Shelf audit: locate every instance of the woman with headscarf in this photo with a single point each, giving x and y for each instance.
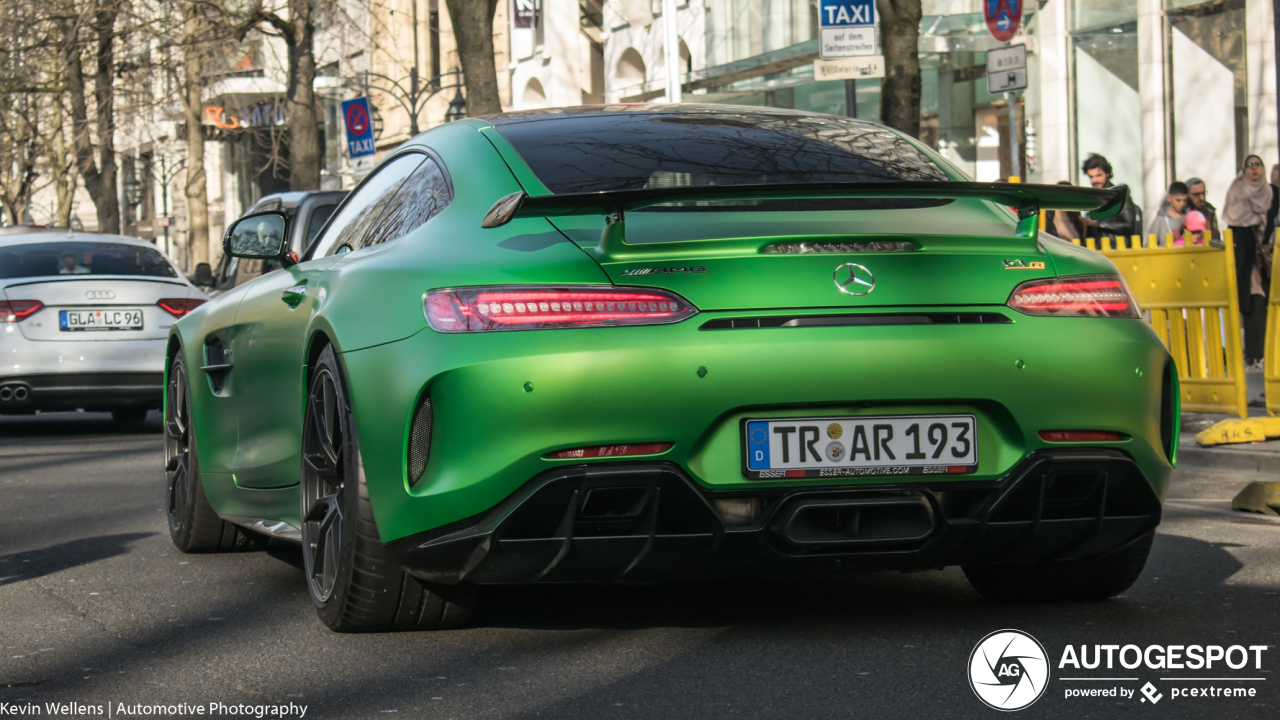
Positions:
(1245, 212)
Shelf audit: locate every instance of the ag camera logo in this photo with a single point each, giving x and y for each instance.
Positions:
(1008, 670)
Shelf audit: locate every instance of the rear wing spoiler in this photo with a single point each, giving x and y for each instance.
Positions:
(1026, 199)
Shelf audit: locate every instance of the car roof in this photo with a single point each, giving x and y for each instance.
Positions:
(294, 198)
(681, 109)
(64, 235)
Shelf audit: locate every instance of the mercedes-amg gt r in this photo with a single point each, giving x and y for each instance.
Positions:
(635, 343)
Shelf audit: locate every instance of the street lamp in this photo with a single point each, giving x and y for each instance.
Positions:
(414, 98)
(132, 191)
(457, 108)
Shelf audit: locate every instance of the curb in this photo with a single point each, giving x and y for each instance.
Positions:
(1208, 458)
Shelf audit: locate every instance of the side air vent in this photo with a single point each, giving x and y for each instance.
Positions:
(217, 362)
(420, 439)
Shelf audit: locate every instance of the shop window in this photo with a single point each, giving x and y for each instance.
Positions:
(738, 29)
(1104, 53)
(1206, 44)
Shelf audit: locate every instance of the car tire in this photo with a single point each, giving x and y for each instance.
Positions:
(1092, 578)
(130, 415)
(354, 583)
(194, 527)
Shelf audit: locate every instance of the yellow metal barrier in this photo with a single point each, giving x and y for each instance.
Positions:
(1190, 295)
(1271, 364)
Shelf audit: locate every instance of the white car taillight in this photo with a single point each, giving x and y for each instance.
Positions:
(533, 307)
(18, 310)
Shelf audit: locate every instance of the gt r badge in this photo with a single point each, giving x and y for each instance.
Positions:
(1023, 265)
(853, 279)
(664, 271)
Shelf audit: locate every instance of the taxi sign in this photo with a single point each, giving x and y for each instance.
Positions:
(359, 126)
(846, 28)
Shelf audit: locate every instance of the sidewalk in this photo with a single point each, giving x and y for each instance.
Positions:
(1263, 457)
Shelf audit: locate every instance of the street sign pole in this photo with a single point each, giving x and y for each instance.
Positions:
(1015, 171)
(851, 98)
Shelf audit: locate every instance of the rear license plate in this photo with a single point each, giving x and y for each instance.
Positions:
(860, 446)
(112, 319)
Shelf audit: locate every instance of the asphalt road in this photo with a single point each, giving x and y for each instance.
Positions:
(97, 607)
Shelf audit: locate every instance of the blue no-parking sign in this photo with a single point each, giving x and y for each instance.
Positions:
(846, 28)
(355, 115)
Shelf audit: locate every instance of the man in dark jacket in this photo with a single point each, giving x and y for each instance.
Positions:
(1123, 225)
(1199, 197)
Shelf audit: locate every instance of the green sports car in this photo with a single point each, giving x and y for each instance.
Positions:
(637, 343)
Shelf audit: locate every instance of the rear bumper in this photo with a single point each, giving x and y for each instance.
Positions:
(643, 522)
(91, 375)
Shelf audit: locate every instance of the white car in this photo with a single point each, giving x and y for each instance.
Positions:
(84, 319)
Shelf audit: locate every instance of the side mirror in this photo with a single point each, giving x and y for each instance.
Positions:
(203, 276)
(260, 236)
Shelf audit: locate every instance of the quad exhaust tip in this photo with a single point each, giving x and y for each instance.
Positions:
(14, 393)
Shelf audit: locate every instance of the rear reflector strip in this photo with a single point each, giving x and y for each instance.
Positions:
(1080, 436)
(18, 310)
(598, 451)
(794, 321)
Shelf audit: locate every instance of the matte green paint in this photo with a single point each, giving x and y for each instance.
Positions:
(670, 383)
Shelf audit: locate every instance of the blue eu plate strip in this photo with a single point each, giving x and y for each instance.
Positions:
(758, 445)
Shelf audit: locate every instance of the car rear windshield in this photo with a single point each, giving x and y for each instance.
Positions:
(82, 258)
(636, 150)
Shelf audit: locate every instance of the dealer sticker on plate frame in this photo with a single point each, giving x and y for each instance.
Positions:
(859, 446)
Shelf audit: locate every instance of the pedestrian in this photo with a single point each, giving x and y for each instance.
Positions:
(1199, 197)
(1168, 222)
(1245, 212)
(1193, 230)
(1063, 224)
(1123, 225)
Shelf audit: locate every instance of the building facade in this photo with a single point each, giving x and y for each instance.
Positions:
(1165, 89)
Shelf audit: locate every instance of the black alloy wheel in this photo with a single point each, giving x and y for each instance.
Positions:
(177, 448)
(194, 526)
(354, 583)
(323, 485)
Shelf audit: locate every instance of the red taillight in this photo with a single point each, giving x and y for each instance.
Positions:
(531, 307)
(1077, 296)
(610, 451)
(1080, 436)
(178, 307)
(18, 310)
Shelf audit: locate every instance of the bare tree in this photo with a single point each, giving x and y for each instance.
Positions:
(19, 142)
(61, 164)
(473, 31)
(196, 27)
(298, 33)
(900, 37)
(98, 19)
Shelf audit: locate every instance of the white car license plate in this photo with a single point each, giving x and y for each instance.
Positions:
(110, 319)
(860, 446)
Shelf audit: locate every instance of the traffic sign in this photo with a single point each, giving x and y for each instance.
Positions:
(1003, 17)
(355, 115)
(846, 28)
(856, 68)
(1006, 69)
